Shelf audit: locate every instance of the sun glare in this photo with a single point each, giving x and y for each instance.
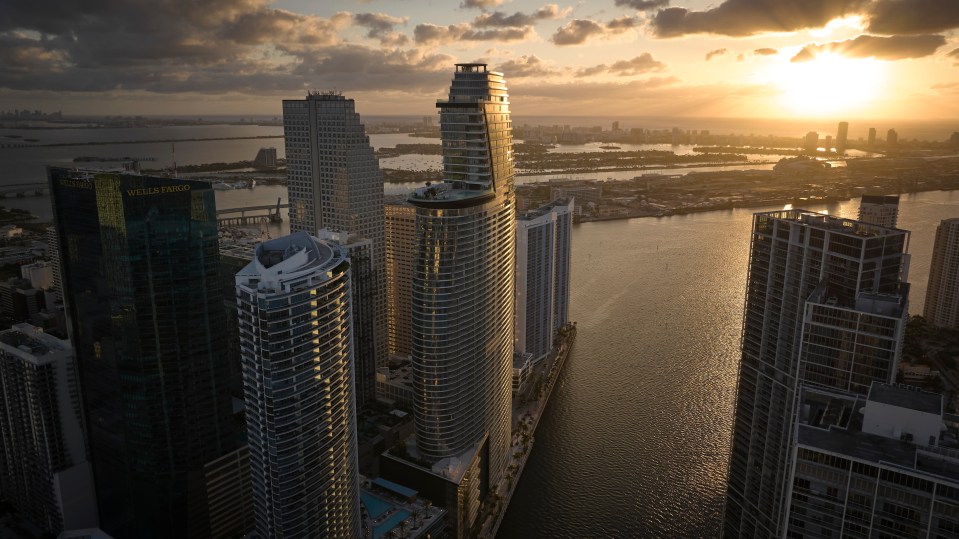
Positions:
(829, 84)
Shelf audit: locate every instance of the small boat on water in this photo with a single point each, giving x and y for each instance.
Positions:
(221, 186)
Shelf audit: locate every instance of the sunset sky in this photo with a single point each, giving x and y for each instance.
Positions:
(737, 58)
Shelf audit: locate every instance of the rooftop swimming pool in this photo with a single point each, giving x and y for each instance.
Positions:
(374, 505)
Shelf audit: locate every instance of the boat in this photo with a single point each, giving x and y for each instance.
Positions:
(220, 186)
(609, 147)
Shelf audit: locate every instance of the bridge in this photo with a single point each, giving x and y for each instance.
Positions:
(21, 190)
(250, 214)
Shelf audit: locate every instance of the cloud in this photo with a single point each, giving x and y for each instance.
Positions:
(499, 19)
(578, 31)
(380, 26)
(765, 51)
(431, 34)
(739, 18)
(600, 90)
(717, 52)
(644, 63)
(883, 48)
(643, 5)
(954, 54)
(913, 16)
(481, 4)
(526, 66)
(213, 47)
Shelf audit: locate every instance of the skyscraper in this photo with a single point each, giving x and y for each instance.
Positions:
(810, 275)
(335, 182)
(882, 210)
(871, 140)
(293, 304)
(400, 247)
(811, 142)
(542, 276)
(842, 136)
(942, 294)
(139, 263)
(462, 331)
(44, 472)
(892, 138)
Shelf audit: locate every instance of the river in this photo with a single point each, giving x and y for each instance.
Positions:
(635, 440)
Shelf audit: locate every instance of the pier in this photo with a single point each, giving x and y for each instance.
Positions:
(250, 215)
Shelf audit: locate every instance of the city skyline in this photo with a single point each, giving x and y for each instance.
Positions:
(782, 58)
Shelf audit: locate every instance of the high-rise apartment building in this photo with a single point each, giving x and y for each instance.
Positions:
(871, 139)
(875, 465)
(842, 136)
(53, 255)
(942, 293)
(882, 210)
(44, 472)
(542, 276)
(139, 263)
(810, 276)
(811, 142)
(293, 305)
(462, 331)
(400, 250)
(335, 182)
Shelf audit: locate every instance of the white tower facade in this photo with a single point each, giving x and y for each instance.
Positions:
(542, 276)
(294, 309)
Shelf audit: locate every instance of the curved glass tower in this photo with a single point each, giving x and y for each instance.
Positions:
(293, 303)
(462, 318)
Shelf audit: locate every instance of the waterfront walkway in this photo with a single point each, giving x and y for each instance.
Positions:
(526, 416)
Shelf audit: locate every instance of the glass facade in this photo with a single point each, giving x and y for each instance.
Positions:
(296, 339)
(462, 312)
(139, 260)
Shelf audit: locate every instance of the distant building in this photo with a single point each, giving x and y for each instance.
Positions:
(44, 472)
(53, 255)
(842, 136)
(942, 293)
(873, 466)
(265, 158)
(543, 242)
(582, 195)
(294, 303)
(817, 290)
(811, 142)
(892, 138)
(400, 255)
(882, 210)
(872, 137)
(40, 274)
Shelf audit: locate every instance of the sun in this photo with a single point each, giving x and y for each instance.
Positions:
(829, 84)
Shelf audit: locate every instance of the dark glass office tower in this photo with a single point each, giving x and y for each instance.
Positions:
(139, 260)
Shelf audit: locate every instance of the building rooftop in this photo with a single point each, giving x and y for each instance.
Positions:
(452, 194)
(544, 209)
(833, 223)
(881, 199)
(913, 399)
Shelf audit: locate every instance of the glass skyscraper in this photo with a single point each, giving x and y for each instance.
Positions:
(296, 339)
(139, 260)
(462, 319)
